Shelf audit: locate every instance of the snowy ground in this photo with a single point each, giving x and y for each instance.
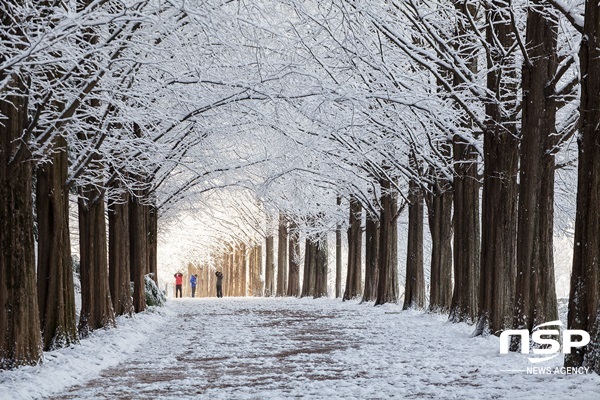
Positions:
(251, 348)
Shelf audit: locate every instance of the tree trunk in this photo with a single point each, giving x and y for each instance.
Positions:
(96, 304)
(321, 266)
(153, 241)
(466, 233)
(584, 299)
(501, 158)
(466, 191)
(282, 257)
(535, 299)
(414, 291)
(254, 261)
(338, 257)
(20, 341)
(293, 288)
(387, 285)
(258, 283)
(119, 252)
(243, 271)
(310, 259)
(353, 275)
(270, 267)
(371, 258)
(138, 241)
(440, 225)
(56, 294)
(229, 279)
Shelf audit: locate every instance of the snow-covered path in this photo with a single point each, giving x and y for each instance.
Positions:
(251, 348)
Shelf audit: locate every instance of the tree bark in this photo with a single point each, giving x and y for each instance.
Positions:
(466, 191)
(153, 241)
(387, 285)
(270, 266)
(501, 158)
(282, 257)
(354, 275)
(321, 266)
(258, 288)
(254, 263)
(119, 252)
(96, 304)
(338, 257)
(466, 233)
(20, 341)
(414, 291)
(310, 259)
(439, 203)
(584, 299)
(535, 298)
(371, 258)
(293, 287)
(56, 294)
(243, 271)
(138, 241)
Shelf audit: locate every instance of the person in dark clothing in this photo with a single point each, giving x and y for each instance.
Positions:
(193, 282)
(178, 284)
(219, 275)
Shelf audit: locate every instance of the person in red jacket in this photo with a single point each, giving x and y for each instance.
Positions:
(178, 282)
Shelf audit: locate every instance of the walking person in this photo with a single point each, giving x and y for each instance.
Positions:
(193, 282)
(219, 275)
(178, 284)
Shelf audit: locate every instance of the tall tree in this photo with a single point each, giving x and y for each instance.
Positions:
(242, 282)
(466, 186)
(310, 265)
(254, 267)
(321, 266)
(354, 273)
(387, 285)
(371, 257)
(414, 290)
(96, 305)
(119, 257)
(584, 299)
(501, 158)
(293, 286)
(270, 262)
(152, 215)
(338, 257)
(282, 257)
(20, 341)
(439, 214)
(56, 294)
(535, 300)
(138, 242)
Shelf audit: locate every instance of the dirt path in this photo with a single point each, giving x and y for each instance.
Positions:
(217, 350)
(287, 348)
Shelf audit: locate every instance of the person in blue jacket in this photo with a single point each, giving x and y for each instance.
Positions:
(193, 282)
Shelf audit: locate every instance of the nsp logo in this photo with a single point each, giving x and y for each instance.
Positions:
(550, 346)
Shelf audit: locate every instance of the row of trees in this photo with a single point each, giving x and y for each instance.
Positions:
(55, 119)
(510, 92)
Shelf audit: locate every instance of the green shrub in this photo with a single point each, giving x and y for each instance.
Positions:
(154, 296)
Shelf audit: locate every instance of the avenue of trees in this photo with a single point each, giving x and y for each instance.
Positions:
(318, 123)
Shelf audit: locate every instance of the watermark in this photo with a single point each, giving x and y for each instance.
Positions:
(549, 347)
(558, 370)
